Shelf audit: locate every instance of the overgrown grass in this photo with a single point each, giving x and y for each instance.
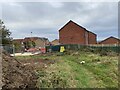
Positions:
(99, 71)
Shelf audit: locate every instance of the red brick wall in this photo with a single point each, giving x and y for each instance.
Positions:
(92, 38)
(110, 41)
(72, 34)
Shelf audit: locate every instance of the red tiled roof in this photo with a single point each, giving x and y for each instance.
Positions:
(109, 38)
(30, 38)
(17, 40)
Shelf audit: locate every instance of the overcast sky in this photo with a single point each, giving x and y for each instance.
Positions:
(44, 19)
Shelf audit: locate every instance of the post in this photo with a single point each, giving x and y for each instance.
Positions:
(1, 67)
(13, 50)
(44, 47)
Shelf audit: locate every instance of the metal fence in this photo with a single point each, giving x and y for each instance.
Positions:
(115, 48)
(7, 48)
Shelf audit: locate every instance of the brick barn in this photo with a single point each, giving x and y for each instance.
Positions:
(110, 40)
(72, 33)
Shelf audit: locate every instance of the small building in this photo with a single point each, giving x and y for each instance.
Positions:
(18, 41)
(72, 33)
(39, 42)
(55, 42)
(30, 42)
(110, 40)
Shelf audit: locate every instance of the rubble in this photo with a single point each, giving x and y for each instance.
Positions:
(16, 75)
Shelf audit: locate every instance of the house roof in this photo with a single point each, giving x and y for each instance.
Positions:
(55, 40)
(44, 38)
(30, 38)
(18, 40)
(77, 25)
(109, 38)
(35, 38)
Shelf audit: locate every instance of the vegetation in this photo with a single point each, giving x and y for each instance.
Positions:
(17, 46)
(29, 44)
(98, 71)
(4, 34)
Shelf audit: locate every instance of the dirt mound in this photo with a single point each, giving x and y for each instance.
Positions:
(16, 75)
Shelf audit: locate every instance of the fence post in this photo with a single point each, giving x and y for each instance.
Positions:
(13, 50)
(68, 47)
(78, 46)
(1, 48)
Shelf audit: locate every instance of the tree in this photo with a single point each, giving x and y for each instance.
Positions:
(4, 34)
(17, 46)
(29, 44)
(33, 44)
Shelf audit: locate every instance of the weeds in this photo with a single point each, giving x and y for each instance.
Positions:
(51, 80)
(99, 70)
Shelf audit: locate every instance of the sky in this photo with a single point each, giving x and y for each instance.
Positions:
(44, 19)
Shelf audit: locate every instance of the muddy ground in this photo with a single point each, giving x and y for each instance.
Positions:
(37, 63)
(21, 73)
(16, 75)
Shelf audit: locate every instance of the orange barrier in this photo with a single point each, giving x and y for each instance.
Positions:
(43, 50)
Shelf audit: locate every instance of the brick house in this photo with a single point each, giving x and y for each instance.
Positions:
(18, 41)
(55, 42)
(72, 33)
(110, 40)
(39, 42)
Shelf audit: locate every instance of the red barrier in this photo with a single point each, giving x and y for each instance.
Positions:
(43, 50)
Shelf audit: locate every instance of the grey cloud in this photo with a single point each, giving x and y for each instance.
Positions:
(46, 19)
